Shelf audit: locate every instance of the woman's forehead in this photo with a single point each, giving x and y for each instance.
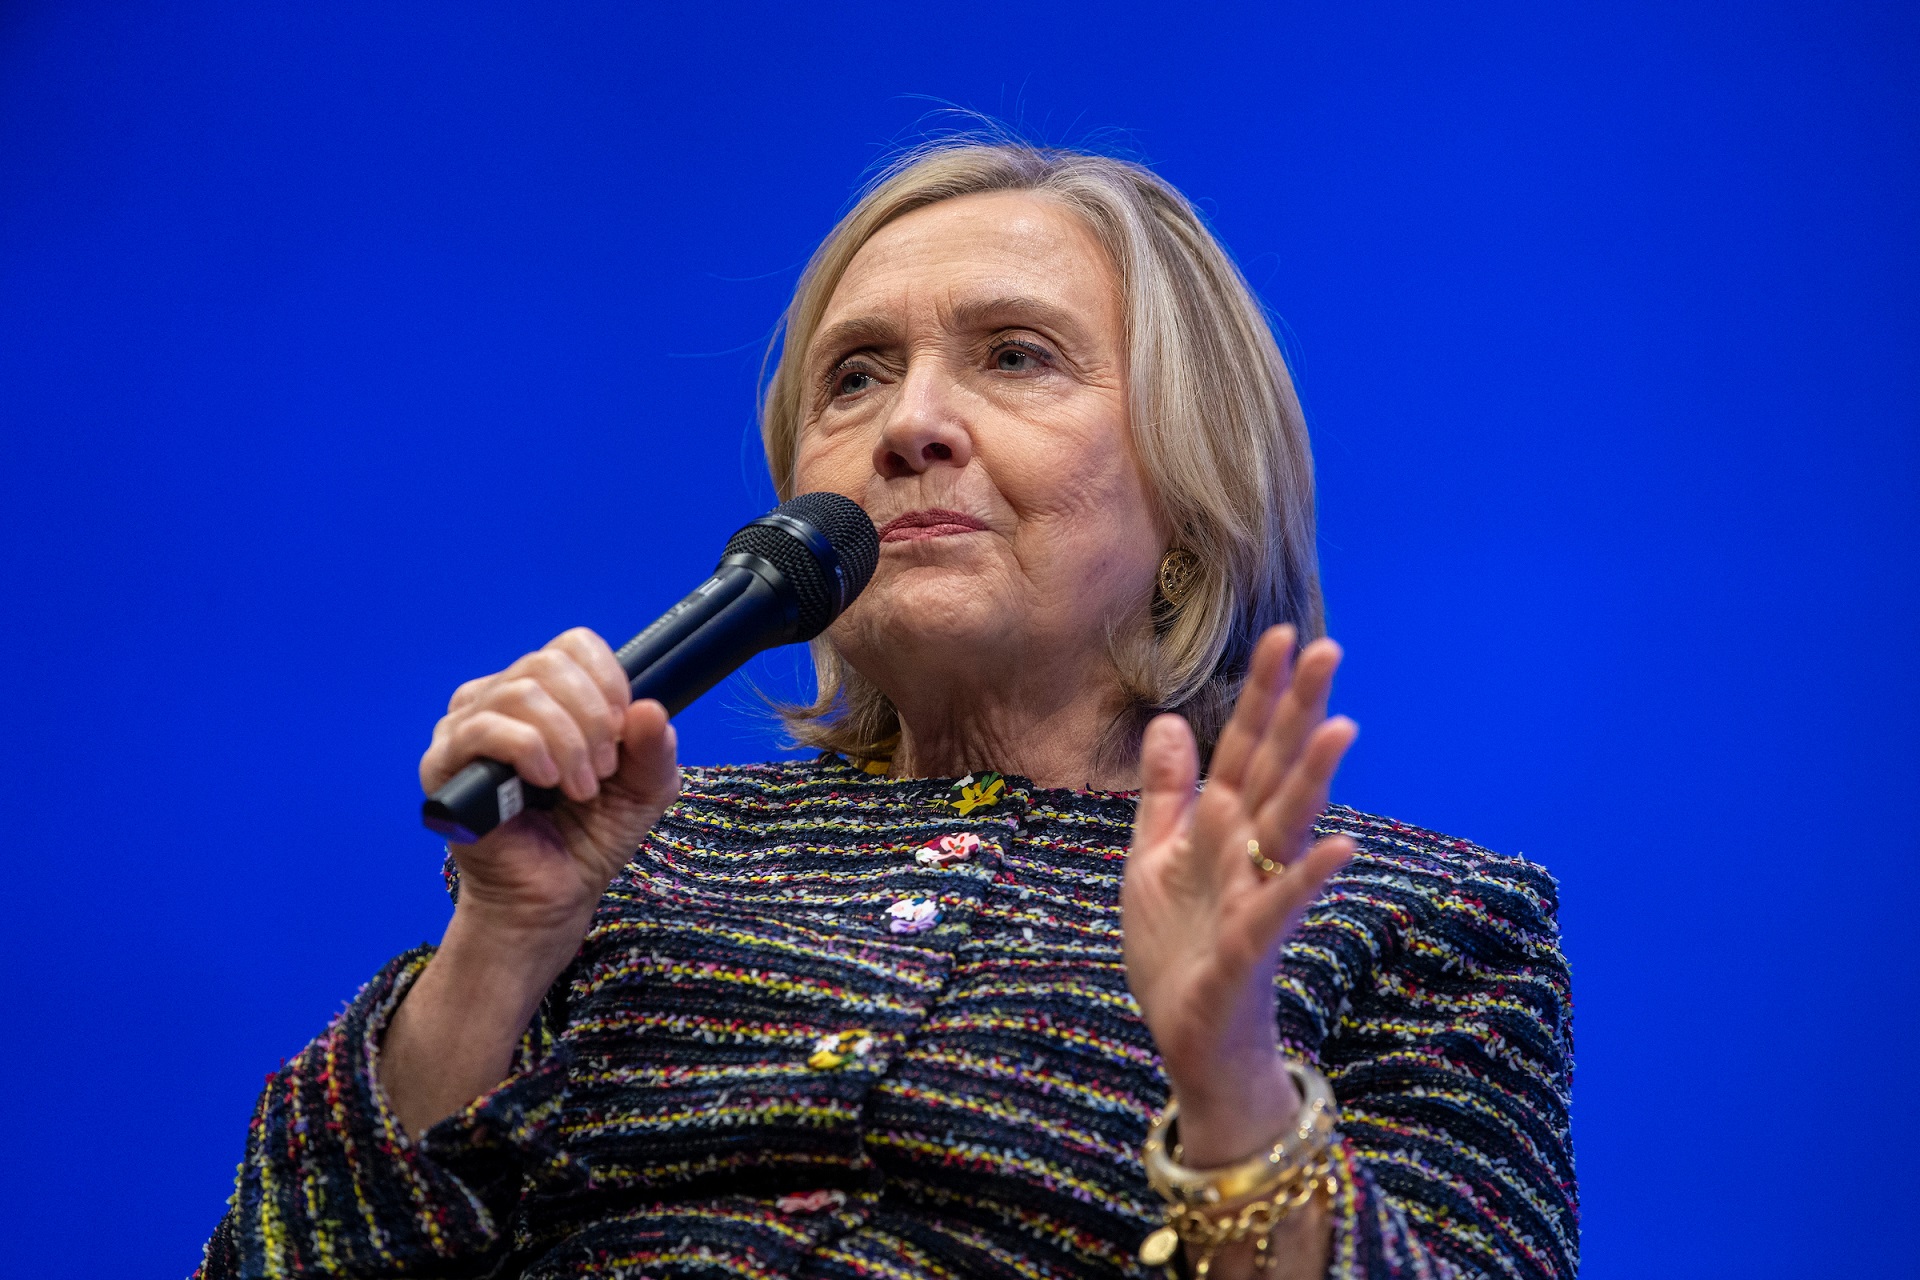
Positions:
(976, 254)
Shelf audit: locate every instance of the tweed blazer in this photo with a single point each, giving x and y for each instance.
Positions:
(827, 1024)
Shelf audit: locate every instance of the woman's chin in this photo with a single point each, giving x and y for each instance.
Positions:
(931, 606)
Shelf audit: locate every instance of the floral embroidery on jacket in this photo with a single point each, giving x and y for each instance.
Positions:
(947, 850)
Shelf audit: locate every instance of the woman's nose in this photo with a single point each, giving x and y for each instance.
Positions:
(923, 430)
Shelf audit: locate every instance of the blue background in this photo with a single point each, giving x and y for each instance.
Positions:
(348, 350)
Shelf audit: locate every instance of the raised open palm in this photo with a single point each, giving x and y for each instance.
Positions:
(1204, 923)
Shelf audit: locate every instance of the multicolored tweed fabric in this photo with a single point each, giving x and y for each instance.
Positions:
(748, 1071)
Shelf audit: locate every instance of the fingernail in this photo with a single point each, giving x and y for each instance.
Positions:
(606, 759)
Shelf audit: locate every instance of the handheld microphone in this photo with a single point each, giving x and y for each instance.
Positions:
(781, 579)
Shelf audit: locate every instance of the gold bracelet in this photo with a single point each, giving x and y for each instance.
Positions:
(1256, 1221)
(1208, 1208)
(1311, 1133)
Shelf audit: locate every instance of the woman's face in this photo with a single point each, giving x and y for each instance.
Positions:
(968, 387)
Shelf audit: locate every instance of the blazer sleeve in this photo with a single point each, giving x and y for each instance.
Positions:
(333, 1185)
(1453, 1066)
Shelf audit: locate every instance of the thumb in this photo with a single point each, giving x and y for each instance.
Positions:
(1169, 771)
(633, 799)
(649, 773)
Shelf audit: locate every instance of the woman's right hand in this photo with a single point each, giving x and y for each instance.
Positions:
(561, 717)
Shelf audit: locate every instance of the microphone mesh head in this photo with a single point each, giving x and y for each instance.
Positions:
(849, 534)
(847, 527)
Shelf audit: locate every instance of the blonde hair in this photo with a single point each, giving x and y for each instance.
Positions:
(1216, 425)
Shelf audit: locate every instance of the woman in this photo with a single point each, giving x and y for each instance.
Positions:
(911, 1008)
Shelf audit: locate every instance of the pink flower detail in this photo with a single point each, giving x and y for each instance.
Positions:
(811, 1201)
(948, 850)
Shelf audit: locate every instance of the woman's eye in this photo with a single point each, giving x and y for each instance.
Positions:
(849, 382)
(1015, 358)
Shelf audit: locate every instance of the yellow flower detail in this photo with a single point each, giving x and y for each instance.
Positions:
(836, 1047)
(979, 794)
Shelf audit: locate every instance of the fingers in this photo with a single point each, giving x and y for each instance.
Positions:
(1280, 911)
(557, 715)
(598, 712)
(596, 659)
(1268, 675)
(1296, 713)
(1285, 824)
(1169, 771)
(1285, 820)
(523, 725)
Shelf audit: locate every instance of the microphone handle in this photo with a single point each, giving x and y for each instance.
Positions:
(746, 606)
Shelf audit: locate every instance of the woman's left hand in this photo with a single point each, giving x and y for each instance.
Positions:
(1203, 924)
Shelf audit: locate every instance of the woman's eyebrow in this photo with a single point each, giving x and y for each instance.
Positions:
(1015, 309)
(854, 331)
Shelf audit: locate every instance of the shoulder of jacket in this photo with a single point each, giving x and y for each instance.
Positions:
(1437, 865)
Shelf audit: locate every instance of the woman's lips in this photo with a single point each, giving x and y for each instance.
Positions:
(932, 523)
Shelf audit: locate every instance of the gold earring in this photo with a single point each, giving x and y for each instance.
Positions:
(1179, 574)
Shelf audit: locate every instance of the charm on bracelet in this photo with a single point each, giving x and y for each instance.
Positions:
(1208, 1209)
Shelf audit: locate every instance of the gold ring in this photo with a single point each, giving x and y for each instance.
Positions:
(1264, 865)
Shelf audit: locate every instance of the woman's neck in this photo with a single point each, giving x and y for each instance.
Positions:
(1073, 738)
